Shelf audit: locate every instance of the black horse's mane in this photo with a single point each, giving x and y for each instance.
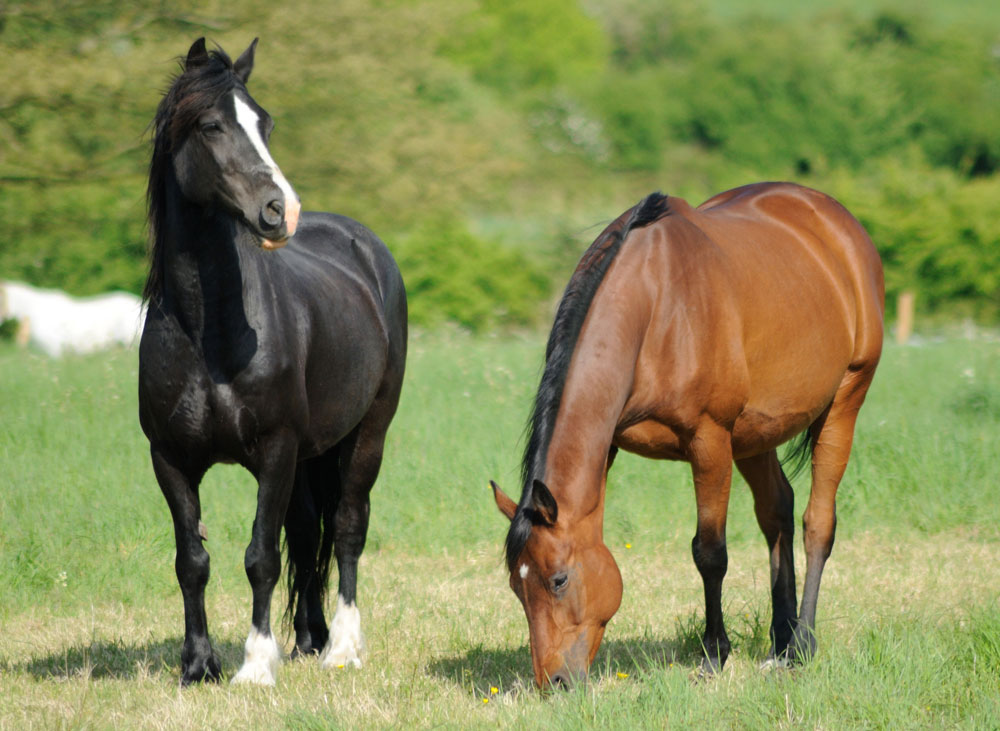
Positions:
(572, 311)
(197, 87)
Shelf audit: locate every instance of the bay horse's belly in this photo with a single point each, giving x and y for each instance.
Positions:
(652, 439)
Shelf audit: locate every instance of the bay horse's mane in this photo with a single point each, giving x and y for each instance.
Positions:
(570, 315)
(198, 86)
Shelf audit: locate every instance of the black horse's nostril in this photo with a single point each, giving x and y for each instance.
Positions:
(273, 214)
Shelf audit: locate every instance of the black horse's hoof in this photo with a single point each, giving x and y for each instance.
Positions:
(207, 669)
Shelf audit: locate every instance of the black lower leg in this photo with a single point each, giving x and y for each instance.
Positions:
(712, 561)
(351, 528)
(302, 535)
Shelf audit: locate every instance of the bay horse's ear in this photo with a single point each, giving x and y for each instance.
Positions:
(244, 64)
(507, 506)
(543, 503)
(197, 54)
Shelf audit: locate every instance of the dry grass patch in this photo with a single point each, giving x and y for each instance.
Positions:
(444, 630)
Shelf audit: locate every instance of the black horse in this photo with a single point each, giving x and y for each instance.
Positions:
(286, 359)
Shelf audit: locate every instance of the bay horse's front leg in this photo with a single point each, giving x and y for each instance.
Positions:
(275, 476)
(711, 457)
(179, 485)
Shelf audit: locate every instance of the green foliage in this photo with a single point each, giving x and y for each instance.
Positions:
(452, 275)
(938, 234)
(532, 120)
(518, 44)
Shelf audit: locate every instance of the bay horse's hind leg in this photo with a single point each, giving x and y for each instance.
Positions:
(314, 499)
(360, 461)
(180, 488)
(834, 435)
(774, 504)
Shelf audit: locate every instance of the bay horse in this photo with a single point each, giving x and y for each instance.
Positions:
(274, 341)
(710, 335)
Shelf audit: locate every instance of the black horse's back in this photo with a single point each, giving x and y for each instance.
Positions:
(352, 246)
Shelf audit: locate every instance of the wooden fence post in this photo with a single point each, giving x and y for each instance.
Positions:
(904, 317)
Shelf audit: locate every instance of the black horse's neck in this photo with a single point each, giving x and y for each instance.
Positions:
(209, 271)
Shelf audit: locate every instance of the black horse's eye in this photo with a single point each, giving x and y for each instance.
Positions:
(211, 128)
(559, 582)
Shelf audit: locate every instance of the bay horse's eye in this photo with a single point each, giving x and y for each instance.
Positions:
(559, 582)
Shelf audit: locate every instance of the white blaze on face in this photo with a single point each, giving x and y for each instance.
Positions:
(248, 120)
(524, 571)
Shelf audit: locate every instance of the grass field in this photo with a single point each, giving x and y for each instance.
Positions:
(909, 624)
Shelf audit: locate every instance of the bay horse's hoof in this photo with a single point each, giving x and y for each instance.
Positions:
(771, 663)
(708, 668)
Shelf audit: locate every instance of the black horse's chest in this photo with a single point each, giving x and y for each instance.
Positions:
(186, 402)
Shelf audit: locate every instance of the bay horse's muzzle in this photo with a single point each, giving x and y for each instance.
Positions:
(574, 668)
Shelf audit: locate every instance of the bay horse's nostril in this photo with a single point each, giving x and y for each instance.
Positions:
(561, 682)
(273, 214)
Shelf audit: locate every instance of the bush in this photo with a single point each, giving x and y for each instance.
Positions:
(938, 234)
(451, 275)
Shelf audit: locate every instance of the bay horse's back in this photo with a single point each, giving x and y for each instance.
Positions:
(818, 228)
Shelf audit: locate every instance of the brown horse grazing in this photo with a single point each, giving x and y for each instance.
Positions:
(712, 335)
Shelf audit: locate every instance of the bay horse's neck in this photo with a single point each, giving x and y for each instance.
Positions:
(208, 270)
(596, 390)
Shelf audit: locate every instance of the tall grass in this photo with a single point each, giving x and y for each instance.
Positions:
(91, 615)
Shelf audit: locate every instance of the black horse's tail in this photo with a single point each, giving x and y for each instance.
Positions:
(309, 534)
(799, 453)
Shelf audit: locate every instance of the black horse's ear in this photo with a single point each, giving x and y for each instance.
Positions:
(543, 503)
(198, 54)
(244, 64)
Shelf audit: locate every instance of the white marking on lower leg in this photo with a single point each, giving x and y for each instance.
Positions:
(261, 660)
(346, 641)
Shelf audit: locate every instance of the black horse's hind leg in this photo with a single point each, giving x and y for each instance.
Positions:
(360, 461)
(774, 506)
(180, 488)
(275, 474)
(712, 467)
(314, 498)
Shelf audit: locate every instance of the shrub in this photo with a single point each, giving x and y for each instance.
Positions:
(452, 275)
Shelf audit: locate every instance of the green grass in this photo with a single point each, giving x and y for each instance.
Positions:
(909, 628)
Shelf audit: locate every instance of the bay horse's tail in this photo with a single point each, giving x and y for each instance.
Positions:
(309, 539)
(799, 453)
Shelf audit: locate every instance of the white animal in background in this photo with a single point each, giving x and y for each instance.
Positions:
(57, 323)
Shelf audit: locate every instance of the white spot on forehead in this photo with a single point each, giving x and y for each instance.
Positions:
(524, 571)
(248, 119)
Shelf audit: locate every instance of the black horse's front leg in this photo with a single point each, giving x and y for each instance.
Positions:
(180, 488)
(275, 477)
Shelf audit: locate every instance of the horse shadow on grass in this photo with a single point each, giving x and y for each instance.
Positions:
(480, 668)
(119, 660)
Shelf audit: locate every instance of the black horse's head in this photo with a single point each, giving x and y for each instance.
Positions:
(215, 136)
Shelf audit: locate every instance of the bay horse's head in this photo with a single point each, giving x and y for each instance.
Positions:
(567, 581)
(215, 136)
